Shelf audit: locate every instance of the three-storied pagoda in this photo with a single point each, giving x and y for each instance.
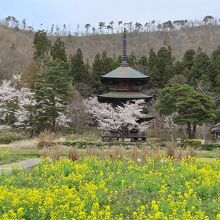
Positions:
(125, 84)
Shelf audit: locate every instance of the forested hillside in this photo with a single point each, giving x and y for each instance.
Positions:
(54, 71)
(16, 45)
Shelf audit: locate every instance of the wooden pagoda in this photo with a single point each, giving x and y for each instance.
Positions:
(125, 84)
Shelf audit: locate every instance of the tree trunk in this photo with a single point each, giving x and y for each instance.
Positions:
(189, 131)
(54, 117)
(205, 133)
(193, 132)
(171, 136)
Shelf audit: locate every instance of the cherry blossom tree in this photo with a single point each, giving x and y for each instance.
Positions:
(25, 113)
(18, 107)
(120, 119)
(8, 98)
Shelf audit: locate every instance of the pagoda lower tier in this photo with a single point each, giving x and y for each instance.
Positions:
(117, 97)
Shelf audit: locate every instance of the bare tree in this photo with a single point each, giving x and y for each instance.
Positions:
(87, 26)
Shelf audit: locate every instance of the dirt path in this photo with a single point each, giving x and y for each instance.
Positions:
(7, 168)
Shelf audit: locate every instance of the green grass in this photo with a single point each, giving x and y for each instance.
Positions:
(8, 156)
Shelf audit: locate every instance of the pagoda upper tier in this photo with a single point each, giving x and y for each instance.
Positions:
(125, 83)
(125, 72)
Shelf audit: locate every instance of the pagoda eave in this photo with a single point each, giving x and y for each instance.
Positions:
(146, 119)
(123, 97)
(107, 80)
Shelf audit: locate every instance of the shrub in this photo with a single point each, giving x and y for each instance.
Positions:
(170, 151)
(192, 143)
(210, 146)
(9, 138)
(73, 155)
(190, 152)
(83, 144)
(46, 139)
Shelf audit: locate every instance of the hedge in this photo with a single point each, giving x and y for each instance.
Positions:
(210, 146)
(9, 138)
(84, 144)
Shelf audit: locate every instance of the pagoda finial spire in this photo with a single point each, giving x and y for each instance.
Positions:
(124, 49)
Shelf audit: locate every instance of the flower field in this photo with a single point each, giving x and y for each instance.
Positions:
(109, 189)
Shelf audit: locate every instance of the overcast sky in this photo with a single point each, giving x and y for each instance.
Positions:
(72, 12)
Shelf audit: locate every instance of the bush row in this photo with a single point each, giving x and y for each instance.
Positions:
(197, 144)
(82, 144)
(9, 138)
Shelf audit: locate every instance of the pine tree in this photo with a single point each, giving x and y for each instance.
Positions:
(42, 46)
(201, 70)
(77, 68)
(97, 71)
(143, 61)
(189, 106)
(188, 57)
(187, 63)
(165, 64)
(153, 70)
(102, 64)
(132, 60)
(107, 63)
(51, 94)
(215, 75)
(58, 50)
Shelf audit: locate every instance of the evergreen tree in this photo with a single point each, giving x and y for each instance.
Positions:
(97, 71)
(161, 66)
(41, 45)
(58, 50)
(153, 70)
(29, 73)
(188, 57)
(142, 64)
(143, 61)
(77, 68)
(178, 68)
(215, 74)
(190, 107)
(165, 64)
(107, 63)
(187, 63)
(51, 94)
(102, 64)
(201, 69)
(132, 60)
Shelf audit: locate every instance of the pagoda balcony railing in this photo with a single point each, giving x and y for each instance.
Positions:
(125, 89)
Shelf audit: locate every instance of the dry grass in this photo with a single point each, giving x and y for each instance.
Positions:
(90, 151)
(46, 139)
(134, 153)
(53, 152)
(190, 152)
(118, 153)
(171, 151)
(143, 154)
(24, 144)
(179, 153)
(74, 155)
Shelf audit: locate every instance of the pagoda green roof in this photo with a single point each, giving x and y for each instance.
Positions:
(125, 72)
(125, 95)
